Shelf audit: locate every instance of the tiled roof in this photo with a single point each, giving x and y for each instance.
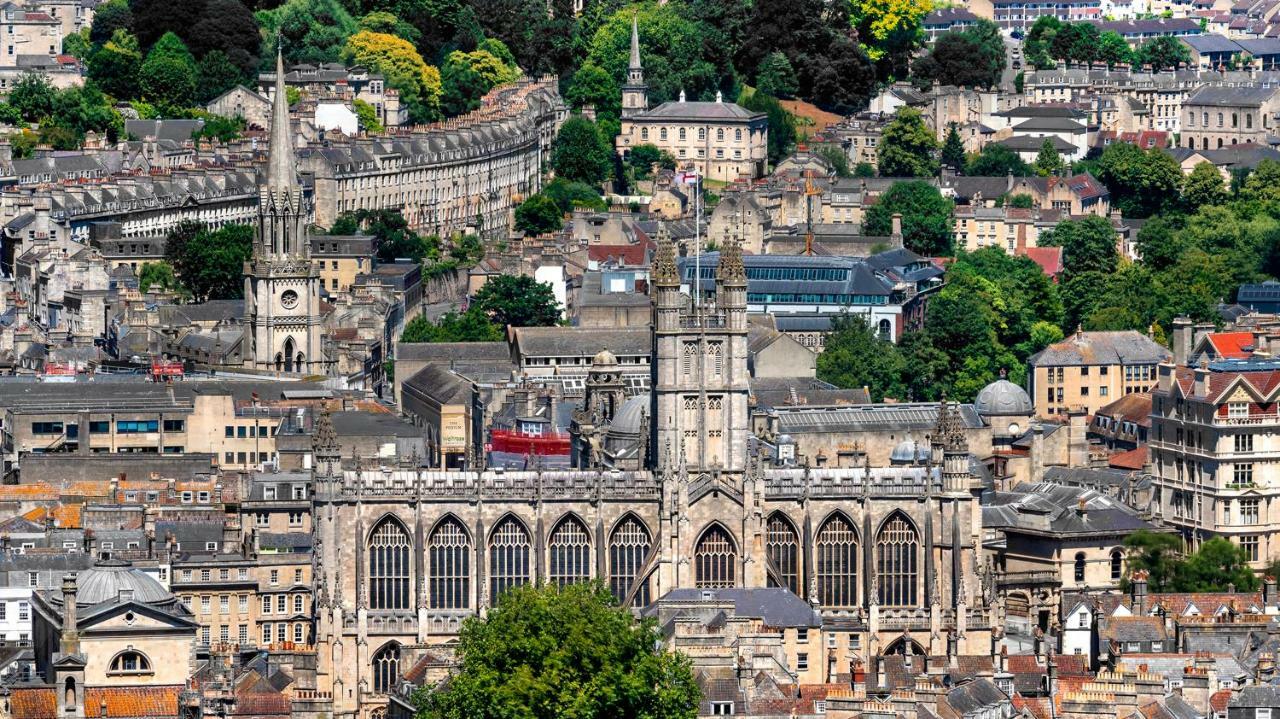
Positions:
(1218, 700)
(1133, 459)
(1133, 407)
(127, 702)
(28, 492)
(1101, 348)
(1049, 259)
(1231, 345)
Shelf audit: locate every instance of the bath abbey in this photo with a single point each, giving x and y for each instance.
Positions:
(889, 557)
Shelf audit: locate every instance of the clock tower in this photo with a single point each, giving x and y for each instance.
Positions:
(281, 284)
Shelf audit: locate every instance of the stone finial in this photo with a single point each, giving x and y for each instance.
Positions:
(664, 269)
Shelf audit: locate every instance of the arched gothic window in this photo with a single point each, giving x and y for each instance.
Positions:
(837, 563)
(449, 559)
(508, 557)
(386, 668)
(716, 350)
(897, 562)
(389, 566)
(628, 548)
(783, 547)
(719, 134)
(715, 560)
(570, 553)
(1079, 567)
(1117, 564)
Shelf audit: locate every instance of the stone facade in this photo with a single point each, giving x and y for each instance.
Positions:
(405, 555)
(466, 174)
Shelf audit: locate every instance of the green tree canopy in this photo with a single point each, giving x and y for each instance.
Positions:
(548, 652)
(569, 195)
(907, 146)
(775, 76)
(1142, 182)
(519, 301)
(108, 17)
(32, 96)
(538, 215)
(210, 264)
(580, 154)
(470, 326)
(953, 150)
(1163, 53)
(1156, 553)
(215, 74)
(1214, 567)
(1088, 244)
(158, 275)
(782, 130)
(168, 76)
(996, 160)
(853, 357)
(926, 217)
(1204, 186)
(312, 31)
(1048, 161)
(973, 57)
(114, 66)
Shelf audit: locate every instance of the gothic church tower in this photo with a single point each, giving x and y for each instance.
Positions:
(700, 382)
(281, 285)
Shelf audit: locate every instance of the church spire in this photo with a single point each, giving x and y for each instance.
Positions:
(635, 44)
(281, 169)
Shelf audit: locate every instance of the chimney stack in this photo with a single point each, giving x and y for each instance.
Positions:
(70, 640)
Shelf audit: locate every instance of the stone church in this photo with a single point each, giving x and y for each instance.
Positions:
(890, 556)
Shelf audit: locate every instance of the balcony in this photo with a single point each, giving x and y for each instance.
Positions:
(1010, 579)
(1254, 420)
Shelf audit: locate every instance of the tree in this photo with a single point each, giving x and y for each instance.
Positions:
(168, 76)
(855, 357)
(973, 57)
(1218, 564)
(210, 264)
(114, 66)
(1142, 182)
(592, 85)
(953, 150)
(775, 76)
(223, 129)
(643, 158)
(569, 195)
(1156, 553)
(782, 130)
(1048, 161)
(538, 215)
(388, 24)
(215, 75)
(996, 160)
(926, 217)
(519, 301)
(907, 146)
(838, 158)
(1113, 49)
(368, 117)
(157, 274)
(1163, 53)
(1039, 40)
(470, 326)
(864, 169)
(419, 83)
(580, 153)
(1022, 201)
(227, 26)
(312, 31)
(107, 18)
(1088, 244)
(77, 45)
(32, 96)
(548, 651)
(1261, 184)
(1204, 186)
(467, 76)
(673, 49)
(889, 28)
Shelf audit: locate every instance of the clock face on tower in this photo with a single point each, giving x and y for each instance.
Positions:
(289, 299)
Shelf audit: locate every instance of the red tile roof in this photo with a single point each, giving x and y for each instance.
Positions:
(1218, 700)
(1049, 259)
(1133, 459)
(131, 701)
(1231, 345)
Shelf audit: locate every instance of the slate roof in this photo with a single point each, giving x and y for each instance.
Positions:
(1212, 43)
(775, 606)
(1133, 629)
(580, 342)
(453, 351)
(1026, 143)
(1101, 348)
(845, 418)
(1054, 509)
(714, 111)
(1049, 124)
(1234, 96)
(1256, 696)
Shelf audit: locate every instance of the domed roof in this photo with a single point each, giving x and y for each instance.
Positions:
(630, 416)
(908, 452)
(105, 580)
(604, 358)
(1003, 398)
